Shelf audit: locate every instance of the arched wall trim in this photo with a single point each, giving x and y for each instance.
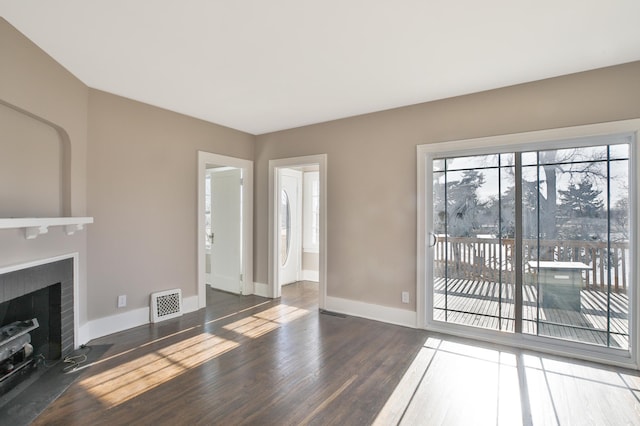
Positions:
(65, 157)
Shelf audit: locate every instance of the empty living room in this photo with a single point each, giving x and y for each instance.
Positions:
(319, 213)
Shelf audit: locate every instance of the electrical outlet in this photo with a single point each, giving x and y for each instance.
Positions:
(405, 297)
(122, 301)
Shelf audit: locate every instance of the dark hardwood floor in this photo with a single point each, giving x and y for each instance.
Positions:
(243, 360)
(250, 360)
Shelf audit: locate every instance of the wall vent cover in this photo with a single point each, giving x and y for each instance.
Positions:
(166, 304)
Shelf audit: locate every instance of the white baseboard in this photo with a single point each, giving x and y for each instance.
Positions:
(248, 288)
(370, 311)
(112, 324)
(137, 317)
(190, 304)
(308, 275)
(260, 289)
(115, 323)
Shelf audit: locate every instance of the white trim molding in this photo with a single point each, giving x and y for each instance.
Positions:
(371, 311)
(35, 226)
(126, 320)
(262, 289)
(274, 165)
(76, 284)
(310, 275)
(205, 158)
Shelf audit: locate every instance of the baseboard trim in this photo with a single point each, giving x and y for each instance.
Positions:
(308, 275)
(370, 311)
(260, 289)
(137, 317)
(134, 318)
(248, 288)
(189, 304)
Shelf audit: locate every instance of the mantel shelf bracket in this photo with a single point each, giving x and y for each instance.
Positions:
(33, 232)
(34, 227)
(72, 229)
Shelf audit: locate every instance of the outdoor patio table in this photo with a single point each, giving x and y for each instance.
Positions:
(560, 283)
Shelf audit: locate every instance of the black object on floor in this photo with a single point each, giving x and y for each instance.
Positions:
(23, 405)
(333, 314)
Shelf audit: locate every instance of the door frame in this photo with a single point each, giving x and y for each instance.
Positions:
(274, 165)
(519, 141)
(205, 158)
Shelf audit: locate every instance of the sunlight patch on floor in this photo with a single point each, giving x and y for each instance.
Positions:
(263, 322)
(456, 383)
(126, 381)
(169, 336)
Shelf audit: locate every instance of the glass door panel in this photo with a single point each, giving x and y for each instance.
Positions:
(576, 244)
(473, 216)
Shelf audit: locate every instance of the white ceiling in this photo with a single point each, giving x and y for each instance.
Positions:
(266, 65)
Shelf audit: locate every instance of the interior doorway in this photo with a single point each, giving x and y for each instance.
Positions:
(225, 224)
(297, 217)
(223, 220)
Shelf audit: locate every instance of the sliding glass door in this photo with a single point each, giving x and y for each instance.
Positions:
(473, 222)
(534, 241)
(576, 244)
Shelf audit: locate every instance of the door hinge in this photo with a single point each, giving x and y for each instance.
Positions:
(241, 277)
(241, 181)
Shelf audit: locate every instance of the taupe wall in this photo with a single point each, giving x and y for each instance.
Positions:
(372, 169)
(31, 167)
(141, 180)
(142, 164)
(310, 261)
(34, 84)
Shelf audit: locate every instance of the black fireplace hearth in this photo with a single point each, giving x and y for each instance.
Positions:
(36, 320)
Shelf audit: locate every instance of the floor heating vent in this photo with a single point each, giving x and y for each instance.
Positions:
(166, 304)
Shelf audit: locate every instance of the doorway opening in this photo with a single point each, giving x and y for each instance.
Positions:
(297, 218)
(225, 225)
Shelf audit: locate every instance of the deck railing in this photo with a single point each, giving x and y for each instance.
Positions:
(491, 259)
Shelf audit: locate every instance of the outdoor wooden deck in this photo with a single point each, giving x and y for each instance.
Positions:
(491, 305)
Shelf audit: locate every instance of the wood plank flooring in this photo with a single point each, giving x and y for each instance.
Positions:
(243, 360)
(249, 360)
(458, 382)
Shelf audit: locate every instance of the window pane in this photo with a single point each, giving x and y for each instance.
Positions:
(472, 284)
(285, 227)
(507, 159)
(620, 152)
(475, 162)
(574, 269)
(529, 158)
(573, 155)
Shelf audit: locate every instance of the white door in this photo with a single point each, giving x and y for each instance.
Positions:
(289, 226)
(207, 227)
(226, 230)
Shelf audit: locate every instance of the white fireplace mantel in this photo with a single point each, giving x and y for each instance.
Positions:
(34, 226)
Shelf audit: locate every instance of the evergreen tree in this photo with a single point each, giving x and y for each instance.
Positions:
(463, 205)
(581, 211)
(581, 200)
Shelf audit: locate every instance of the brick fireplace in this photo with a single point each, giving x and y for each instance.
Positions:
(44, 292)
